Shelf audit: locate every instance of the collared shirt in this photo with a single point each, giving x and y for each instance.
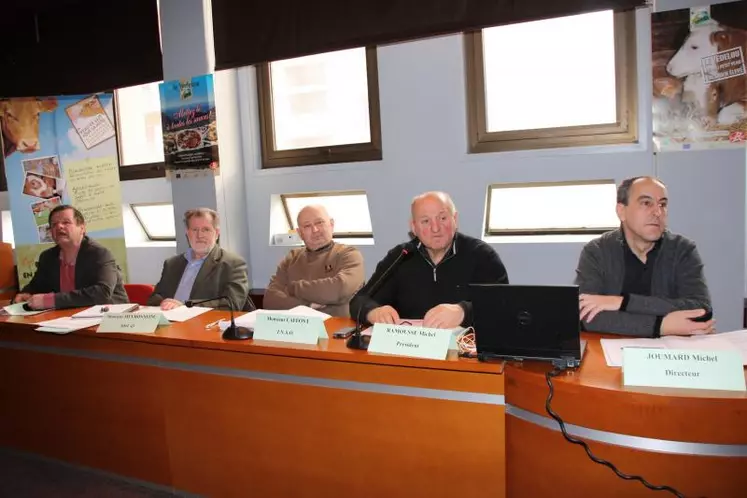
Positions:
(188, 277)
(637, 273)
(67, 281)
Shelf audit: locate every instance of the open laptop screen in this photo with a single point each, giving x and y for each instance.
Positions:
(526, 321)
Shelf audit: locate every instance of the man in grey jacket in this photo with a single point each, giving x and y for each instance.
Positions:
(642, 280)
(205, 271)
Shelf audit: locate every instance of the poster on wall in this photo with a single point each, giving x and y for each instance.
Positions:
(190, 136)
(61, 150)
(699, 78)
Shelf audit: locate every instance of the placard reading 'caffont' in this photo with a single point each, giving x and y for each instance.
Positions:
(285, 328)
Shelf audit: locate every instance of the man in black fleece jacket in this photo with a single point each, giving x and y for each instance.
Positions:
(431, 281)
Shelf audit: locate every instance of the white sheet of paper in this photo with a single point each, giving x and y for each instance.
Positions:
(17, 310)
(98, 311)
(735, 341)
(249, 319)
(70, 324)
(182, 313)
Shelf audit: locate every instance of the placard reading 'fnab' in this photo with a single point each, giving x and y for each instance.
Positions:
(285, 328)
(682, 368)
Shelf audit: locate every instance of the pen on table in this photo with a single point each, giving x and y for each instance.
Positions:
(212, 324)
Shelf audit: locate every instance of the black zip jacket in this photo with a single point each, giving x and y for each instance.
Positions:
(417, 285)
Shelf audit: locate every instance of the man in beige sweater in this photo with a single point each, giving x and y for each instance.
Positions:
(323, 275)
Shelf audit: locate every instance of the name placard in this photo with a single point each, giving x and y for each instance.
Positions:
(140, 323)
(410, 340)
(289, 328)
(683, 368)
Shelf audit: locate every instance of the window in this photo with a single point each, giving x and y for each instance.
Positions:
(140, 136)
(7, 224)
(551, 208)
(572, 82)
(320, 109)
(348, 209)
(157, 220)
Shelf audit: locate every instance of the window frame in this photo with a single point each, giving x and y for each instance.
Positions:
(542, 231)
(335, 235)
(272, 158)
(152, 238)
(625, 130)
(135, 171)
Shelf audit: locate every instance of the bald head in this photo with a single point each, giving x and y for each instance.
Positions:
(434, 221)
(315, 226)
(434, 196)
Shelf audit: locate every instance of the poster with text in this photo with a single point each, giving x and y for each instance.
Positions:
(61, 150)
(699, 78)
(190, 136)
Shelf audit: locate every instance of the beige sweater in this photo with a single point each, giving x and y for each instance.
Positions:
(329, 277)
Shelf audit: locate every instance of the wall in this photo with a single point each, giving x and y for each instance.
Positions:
(424, 141)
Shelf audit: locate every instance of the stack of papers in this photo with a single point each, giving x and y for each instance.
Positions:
(726, 341)
(249, 319)
(180, 314)
(18, 310)
(98, 311)
(66, 325)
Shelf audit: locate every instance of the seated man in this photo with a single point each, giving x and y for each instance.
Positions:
(642, 280)
(431, 283)
(76, 272)
(205, 271)
(324, 275)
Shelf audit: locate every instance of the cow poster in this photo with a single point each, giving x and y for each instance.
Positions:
(699, 80)
(190, 135)
(61, 150)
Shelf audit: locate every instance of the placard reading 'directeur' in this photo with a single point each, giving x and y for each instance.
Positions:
(289, 328)
(409, 340)
(682, 368)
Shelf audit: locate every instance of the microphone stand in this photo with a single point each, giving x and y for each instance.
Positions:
(232, 333)
(358, 340)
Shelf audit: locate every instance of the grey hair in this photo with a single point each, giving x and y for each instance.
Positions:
(202, 213)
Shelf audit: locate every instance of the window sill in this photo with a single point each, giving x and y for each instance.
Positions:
(540, 239)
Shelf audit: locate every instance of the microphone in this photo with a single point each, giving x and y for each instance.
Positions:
(357, 340)
(232, 333)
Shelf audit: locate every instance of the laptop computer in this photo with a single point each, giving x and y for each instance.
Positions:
(532, 322)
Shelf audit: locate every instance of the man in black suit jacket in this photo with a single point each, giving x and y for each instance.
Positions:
(205, 271)
(76, 272)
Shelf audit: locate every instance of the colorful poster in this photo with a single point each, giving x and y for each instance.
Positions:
(699, 81)
(190, 136)
(61, 150)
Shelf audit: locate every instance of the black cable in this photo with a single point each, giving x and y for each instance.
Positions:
(581, 442)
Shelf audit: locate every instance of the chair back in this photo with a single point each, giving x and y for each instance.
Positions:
(138, 293)
(8, 275)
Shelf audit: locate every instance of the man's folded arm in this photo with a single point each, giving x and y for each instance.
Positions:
(625, 323)
(276, 295)
(690, 283)
(333, 290)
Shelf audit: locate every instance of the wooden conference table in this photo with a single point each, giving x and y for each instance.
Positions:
(186, 410)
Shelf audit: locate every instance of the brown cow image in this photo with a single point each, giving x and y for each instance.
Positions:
(19, 120)
(727, 99)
